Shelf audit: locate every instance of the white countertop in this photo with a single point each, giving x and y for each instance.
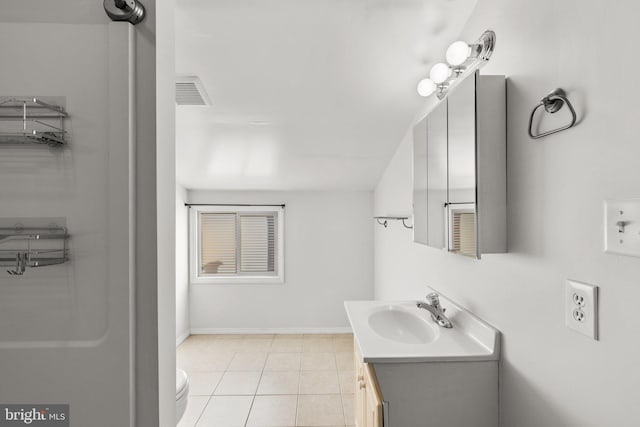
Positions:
(470, 339)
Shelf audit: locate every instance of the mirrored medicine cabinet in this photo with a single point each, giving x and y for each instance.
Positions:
(459, 170)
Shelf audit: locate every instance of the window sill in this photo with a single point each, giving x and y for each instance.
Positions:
(238, 280)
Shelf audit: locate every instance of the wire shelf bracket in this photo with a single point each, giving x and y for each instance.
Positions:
(384, 220)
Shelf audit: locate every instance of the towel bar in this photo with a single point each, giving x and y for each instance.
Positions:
(552, 103)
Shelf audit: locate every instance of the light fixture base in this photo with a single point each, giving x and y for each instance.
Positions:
(485, 45)
(441, 90)
(131, 11)
(458, 70)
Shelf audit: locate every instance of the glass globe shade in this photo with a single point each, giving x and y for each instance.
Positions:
(426, 87)
(440, 72)
(457, 53)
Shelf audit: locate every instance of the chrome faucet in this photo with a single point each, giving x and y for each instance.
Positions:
(437, 312)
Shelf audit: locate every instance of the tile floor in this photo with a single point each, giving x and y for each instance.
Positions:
(268, 380)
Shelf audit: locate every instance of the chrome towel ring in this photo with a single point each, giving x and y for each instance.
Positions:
(552, 103)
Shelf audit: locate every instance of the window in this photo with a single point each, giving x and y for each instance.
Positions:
(233, 244)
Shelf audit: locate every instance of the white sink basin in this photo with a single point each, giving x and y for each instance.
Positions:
(400, 332)
(397, 324)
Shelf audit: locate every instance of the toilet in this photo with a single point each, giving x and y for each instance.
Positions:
(182, 393)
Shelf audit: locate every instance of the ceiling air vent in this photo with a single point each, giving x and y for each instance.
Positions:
(190, 91)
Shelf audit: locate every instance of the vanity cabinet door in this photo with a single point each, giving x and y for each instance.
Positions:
(359, 397)
(373, 399)
(368, 398)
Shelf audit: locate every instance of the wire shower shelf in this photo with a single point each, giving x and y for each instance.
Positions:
(32, 121)
(30, 247)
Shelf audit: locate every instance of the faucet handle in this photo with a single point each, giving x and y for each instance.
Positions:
(433, 298)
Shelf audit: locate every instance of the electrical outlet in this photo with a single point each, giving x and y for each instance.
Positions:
(581, 308)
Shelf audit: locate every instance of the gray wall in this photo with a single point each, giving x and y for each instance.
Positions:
(550, 376)
(328, 259)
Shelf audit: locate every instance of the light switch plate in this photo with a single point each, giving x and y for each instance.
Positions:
(581, 308)
(622, 227)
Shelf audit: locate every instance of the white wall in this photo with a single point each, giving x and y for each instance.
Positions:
(550, 376)
(328, 259)
(182, 265)
(164, 112)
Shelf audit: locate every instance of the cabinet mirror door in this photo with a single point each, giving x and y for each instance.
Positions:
(437, 176)
(461, 206)
(420, 210)
(430, 178)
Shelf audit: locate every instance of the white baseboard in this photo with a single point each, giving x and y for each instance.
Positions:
(183, 336)
(257, 331)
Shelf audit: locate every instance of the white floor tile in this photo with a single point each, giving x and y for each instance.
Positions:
(273, 411)
(288, 345)
(195, 405)
(204, 360)
(319, 382)
(343, 345)
(226, 411)
(203, 383)
(349, 409)
(247, 362)
(347, 382)
(279, 382)
(320, 411)
(283, 362)
(317, 345)
(344, 361)
(318, 362)
(265, 380)
(252, 345)
(238, 383)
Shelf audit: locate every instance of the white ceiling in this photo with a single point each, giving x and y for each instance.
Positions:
(307, 94)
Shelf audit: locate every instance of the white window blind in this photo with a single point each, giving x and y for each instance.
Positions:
(257, 243)
(464, 232)
(238, 243)
(218, 248)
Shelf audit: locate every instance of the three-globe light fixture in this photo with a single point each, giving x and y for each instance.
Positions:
(462, 59)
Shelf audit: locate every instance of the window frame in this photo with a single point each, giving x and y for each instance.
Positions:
(232, 279)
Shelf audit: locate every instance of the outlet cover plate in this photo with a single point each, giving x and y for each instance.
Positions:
(581, 308)
(622, 227)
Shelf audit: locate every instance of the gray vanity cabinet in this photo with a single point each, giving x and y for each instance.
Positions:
(459, 170)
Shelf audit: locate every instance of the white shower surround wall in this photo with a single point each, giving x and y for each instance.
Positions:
(61, 48)
(328, 259)
(69, 328)
(550, 376)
